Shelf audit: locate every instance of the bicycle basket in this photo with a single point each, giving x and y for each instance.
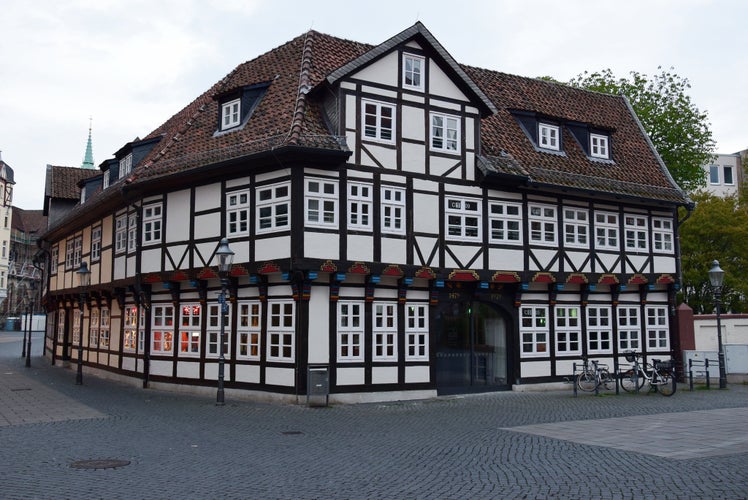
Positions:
(664, 365)
(630, 357)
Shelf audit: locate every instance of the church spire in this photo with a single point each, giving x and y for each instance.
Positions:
(88, 159)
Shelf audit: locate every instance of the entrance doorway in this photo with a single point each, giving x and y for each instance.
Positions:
(471, 350)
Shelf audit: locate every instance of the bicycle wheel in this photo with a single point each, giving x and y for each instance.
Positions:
(666, 383)
(586, 381)
(629, 381)
(605, 379)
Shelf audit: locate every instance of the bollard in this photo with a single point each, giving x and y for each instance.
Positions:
(706, 369)
(574, 378)
(597, 386)
(690, 374)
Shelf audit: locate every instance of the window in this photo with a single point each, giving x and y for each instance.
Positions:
(106, 179)
(230, 113)
(60, 326)
(237, 213)
(393, 210)
(658, 333)
(606, 230)
(189, 330)
(120, 234)
(445, 132)
(548, 136)
(534, 331)
(152, 215)
(599, 330)
(379, 119)
(248, 330)
(542, 221)
(713, 174)
(54, 259)
(77, 319)
(125, 166)
(73, 253)
(104, 328)
(568, 330)
(413, 67)
(628, 328)
(727, 172)
(214, 329)
(273, 207)
(321, 203)
(350, 331)
(505, 220)
(599, 146)
(134, 328)
(281, 331)
(132, 233)
(576, 228)
(416, 332)
(662, 234)
(96, 244)
(636, 232)
(162, 329)
(359, 206)
(463, 219)
(385, 332)
(93, 328)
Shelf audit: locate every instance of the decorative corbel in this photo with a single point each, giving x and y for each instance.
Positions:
(643, 291)
(174, 288)
(585, 294)
(371, 285)
(615, 292)
(521, 288)
(120, 294)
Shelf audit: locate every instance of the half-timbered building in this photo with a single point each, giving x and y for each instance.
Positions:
(412, 225)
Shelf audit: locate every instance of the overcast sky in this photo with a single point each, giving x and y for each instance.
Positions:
(130, 65)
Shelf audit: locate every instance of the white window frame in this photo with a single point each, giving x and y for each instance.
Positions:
(125, 166)
(162, 329)
(657, 328)
(445, 133)
(281, 331)
(414, 71)
(132, 233)
(599, 329)
(213, 330)
(360, 203)
(77, 323)
(237, 213)
(105, 179)
(714, 175)
(731, 180)
(599, 146)
(96, 243)
(629, 328)
(120, 234)
(70, 253)
(93, 327)
(606, 231)
(576, 227)
(534, 331)
(190, 329)
(54, 258)
(249, 330)
(384, 331)
(350, 331)
(321, 203)
(568, 329)
(231, 114)
(549, 136)
(416, 332)
(636, 231)
(273, 207)
(134, 323)
(463, 219)
(505, 222)
(662, 234)
(61, 326)
(392, 204)
(104, 328)
(376, 125)
(543, 224)
(153, 223)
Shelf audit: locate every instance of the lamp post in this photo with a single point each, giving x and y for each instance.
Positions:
(717, 277)
(84, 279)
(30, 318)
(225, 258)
(25, 325)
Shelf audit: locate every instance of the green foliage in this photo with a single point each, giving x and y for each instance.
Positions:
(716, 230)
(678, 130)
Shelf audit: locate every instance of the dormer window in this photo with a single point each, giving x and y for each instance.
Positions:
(230, 113)
(106, 179)
(548, 136)
(125, 166)
(599, 146)
(413, 67)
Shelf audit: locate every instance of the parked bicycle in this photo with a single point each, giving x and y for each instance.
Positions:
(593, 375)
(659, 374)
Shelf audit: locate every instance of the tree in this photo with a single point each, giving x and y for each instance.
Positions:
(715, 231)
(679, 131)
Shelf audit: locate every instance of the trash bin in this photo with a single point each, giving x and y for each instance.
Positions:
(318, 385)
(13, 324)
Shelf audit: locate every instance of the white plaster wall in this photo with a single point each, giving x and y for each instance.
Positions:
(150, 260)
(384, 375)
(664, 264)
(360, 247)
(502, 259)
(279, 376)
(535, 369)
(412, 158)
(383, 71)
(177, 215)
(319, 328)
(207, 226)
(416, 374)
(248, 373)
(426, 210)
(544, 257)
(159, 367)
(188, 369)
(207, 196)
(350, 376)
(393, 250)
(442, 85)
(321, 245)
(272, 248)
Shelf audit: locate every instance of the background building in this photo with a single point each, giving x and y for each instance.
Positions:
(725, 175)
(6, 219)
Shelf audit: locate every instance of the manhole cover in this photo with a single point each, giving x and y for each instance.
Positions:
(105, 463)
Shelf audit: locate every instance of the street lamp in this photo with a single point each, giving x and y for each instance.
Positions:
(30, 318)
(84, 279)
(225, 258)
(717, 277)
(25, 325)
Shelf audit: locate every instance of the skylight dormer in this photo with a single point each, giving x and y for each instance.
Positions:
(236, 107)
(549, 136)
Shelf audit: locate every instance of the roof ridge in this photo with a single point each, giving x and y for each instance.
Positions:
(303, 89)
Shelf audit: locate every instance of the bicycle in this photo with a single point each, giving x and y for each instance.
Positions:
(593, 375)
(659, 374)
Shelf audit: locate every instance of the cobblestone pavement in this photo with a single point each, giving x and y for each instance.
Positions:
(500, 445)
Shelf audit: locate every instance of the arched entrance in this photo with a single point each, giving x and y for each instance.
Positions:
(472, 354)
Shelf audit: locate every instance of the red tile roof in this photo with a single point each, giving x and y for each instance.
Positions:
(29, 221)
(62, 182)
